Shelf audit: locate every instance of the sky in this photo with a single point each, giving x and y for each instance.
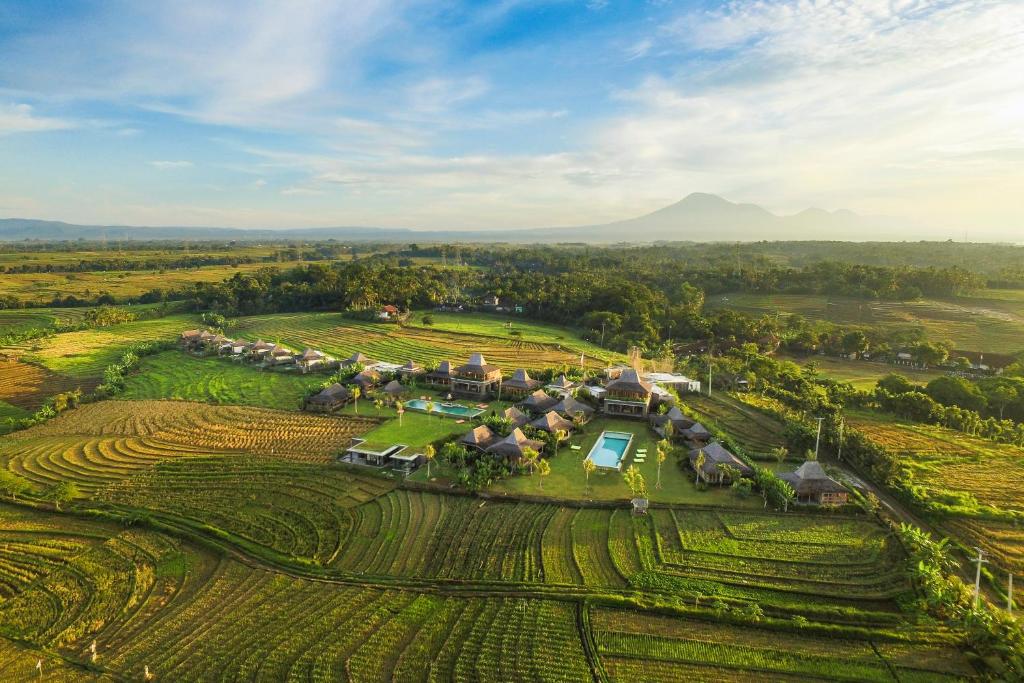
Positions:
(509, 114)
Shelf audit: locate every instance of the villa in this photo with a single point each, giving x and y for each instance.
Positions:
(563, 385)
(388, 312)
(679, 422)
(628, 396)
(395, 390)
(512, 446)
(551, 422)
(330, 399)
(539, 402)
(356, 359)
(476, 379)
(696, 433)
(366, 380)
(569, 408)
(259, 349)
(517, 417)
(311, 358)
(280, 356)
(479, 438)
(814, 487)
(520, 384)
(716, 455)
(441, 375)
(410, 369)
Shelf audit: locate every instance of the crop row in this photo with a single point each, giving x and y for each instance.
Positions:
(294, 508)
(760, 652)
(215, 428)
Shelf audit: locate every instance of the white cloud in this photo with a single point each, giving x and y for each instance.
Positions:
(167, 164)
(20, 118)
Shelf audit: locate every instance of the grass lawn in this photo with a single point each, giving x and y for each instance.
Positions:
(178, 375)
(416, 429)
(567, 477)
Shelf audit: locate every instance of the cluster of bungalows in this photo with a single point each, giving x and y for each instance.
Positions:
(368, 380)
(266, 353)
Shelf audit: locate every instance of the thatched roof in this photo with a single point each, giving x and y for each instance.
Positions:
(552, 422)
(444, 369)
(477, 365)
(479, 437)
(366, 378)
(395, 388)
(512, 446)
(335, 392)
(562, 382)
(539, 402)
(521, 380)
(191, 334)
(810, 479)
(516, 416)
(629, 381)
(312, 354)
(261, 345)
(696, 431)
(568, 407)
(356, 358)
(715, 454)
(410, 366)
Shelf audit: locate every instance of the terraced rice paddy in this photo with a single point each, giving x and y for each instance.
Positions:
(653, 648)
(341, 337)
(84, 355)
(1004, 541)
(179, 376)
(944, 460)
(993, 323)
(28, 385)
(753, 430)
(198, 427)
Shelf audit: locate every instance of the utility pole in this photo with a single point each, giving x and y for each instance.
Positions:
(1009, 595)
(709, 373)
(817, 439)
(979, 560)
(842, 423)
(602, 332)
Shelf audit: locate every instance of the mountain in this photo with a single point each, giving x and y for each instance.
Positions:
(699, 217)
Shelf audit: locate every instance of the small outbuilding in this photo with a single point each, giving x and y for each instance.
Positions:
(330, 399)
(715, 456)
(814, 486)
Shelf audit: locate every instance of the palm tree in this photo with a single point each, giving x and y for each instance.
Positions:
(429, 407)
(780, 453)
(530, 458)
(543, 469)
(662, 448)
(668, 430)
(378, 404)
(698, 464)
(428, 454)
(560, 435)
(635, 482)
(356, 393)
(400, 409)
(588, 467)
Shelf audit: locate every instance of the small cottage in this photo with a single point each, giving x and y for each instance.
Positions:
(814, 487)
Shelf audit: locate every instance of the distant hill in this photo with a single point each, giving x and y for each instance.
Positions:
(699, 217)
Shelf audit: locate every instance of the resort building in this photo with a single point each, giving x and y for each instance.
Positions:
(815, 487)
(330, 399)
(366, 380)
(190, 339)
(517, 417)
(476, 379)
(681, 383)
(356, 359)
(696, 433)
(395, 390)
(552, 422)
(628, 396)
(520, 384)
(538, 402)
(440, 376)
(674, 416)
(613, 372)
(388, 312)
(512, 446)
(715, 456)
(479, 438)
(569, 408)
(563, 385)
(410, 369)
(311, 359)
(260, 349)
(373, 455)
(280, 356)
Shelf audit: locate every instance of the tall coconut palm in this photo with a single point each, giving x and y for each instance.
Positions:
(588, 468)
(698, 464)
(356, 393)
(428, 454)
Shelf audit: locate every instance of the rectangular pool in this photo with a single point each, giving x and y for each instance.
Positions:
(610, 449)
(451, 409)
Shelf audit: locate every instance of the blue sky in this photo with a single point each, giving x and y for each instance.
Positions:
(509, 114)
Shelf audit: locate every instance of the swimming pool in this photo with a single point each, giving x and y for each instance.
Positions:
(452, 409)
(610, 449)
